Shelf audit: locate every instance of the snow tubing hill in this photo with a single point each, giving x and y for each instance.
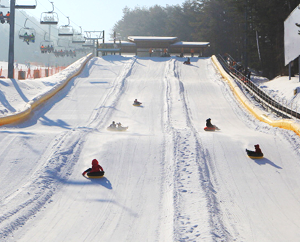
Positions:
(98, 174)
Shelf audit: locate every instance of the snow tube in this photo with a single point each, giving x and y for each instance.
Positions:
(97, 174)
(254, 155)
(117, 128)
(210, 128)
(136, 104)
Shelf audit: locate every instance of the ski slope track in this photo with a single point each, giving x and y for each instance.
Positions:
(166, 179)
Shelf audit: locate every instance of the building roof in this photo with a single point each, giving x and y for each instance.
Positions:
(165, 42)
(190, 44)
(152, 39)
(123, 43)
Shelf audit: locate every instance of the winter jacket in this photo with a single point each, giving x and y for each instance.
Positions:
(257, 149)
(208, 123)
(95, 167)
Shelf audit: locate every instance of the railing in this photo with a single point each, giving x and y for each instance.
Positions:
(260, 95)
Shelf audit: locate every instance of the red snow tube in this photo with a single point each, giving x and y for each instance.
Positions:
(210, 128)
(97, 174)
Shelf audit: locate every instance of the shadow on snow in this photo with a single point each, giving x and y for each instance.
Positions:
(265, 161)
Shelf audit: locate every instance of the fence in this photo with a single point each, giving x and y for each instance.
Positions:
(37, 72)
(277, 106)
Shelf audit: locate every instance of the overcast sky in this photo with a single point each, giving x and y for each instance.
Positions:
(92, 15)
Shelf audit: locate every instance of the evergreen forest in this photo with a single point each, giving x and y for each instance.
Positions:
(251, 31)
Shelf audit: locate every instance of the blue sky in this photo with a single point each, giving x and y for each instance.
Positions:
(92, 15)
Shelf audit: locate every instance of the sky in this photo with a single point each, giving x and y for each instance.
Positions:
(93, 15)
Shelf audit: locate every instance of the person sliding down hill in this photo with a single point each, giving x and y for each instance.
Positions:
(113, 125)
(188, 61)
(95, 170)
(136, 102)
(210, 125)
(256, 153)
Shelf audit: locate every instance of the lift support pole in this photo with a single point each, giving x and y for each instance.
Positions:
(11, 50)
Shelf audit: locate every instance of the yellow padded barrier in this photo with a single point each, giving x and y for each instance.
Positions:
(282, 123)
(42, 98)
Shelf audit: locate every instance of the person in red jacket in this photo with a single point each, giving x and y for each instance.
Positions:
(7, 17)
(96, 168)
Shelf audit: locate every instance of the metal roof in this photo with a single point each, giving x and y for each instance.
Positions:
(152, 38)
(190, 44)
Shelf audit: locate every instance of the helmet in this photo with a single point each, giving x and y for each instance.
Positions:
(113, 122)
(95, 162)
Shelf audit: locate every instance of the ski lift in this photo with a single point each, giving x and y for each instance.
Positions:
(70, 52)
(4, 17)
(66, 30)
(89, 43)
(49, 17)
(61, 49)
(27, 34)
(46, 46)
(78, 38)
(25, 4)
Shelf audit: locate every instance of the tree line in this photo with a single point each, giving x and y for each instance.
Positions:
(251, 31)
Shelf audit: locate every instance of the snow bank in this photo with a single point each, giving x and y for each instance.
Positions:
(258, 113)
(57, 82)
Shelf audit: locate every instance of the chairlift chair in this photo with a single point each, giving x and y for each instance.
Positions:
(47, 46)
(50, 17)
(60, 51)
(27, 34)
(78, 38)
(25, 4)
(66, 30)
(89, 43)
(61, 48)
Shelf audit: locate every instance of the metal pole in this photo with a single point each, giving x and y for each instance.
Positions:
(97, 48)
(114, 41)
(11, 40)
(49, 46)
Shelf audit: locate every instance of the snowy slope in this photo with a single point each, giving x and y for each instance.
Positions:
(166, 178)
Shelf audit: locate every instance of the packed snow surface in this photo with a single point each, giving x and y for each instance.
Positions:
(166, 179)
